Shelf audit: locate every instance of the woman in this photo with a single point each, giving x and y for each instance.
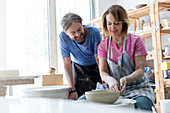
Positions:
(122, 59)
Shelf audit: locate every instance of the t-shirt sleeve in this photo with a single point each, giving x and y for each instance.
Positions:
(101, 50)
(98, 39)
(140, 48)
(65, 52)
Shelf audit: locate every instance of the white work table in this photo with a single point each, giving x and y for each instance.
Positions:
(9, 81)
(52, 105)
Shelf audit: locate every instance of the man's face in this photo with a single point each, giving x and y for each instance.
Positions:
(76, 32)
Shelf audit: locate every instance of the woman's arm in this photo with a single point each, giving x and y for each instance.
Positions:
(104, 73)
(140, 62)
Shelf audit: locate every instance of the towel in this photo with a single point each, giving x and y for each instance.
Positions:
(100, 86)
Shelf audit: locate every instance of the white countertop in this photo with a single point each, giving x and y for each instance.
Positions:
(52, 105)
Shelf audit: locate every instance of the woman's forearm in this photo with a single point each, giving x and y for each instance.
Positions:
(134, 76)
(140, 62)
(105, 77)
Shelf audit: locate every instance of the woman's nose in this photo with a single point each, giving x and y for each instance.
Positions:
(113, 26)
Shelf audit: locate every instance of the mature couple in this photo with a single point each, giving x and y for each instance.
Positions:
(119, 60)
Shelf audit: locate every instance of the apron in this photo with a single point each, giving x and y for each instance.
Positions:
(125, 67)
(85, 77)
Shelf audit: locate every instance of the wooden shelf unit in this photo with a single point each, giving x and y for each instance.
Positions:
(145, 11)
(158, 32)
(153, 10)
(163, 83)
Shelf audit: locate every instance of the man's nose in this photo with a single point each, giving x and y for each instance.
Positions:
(77, 34)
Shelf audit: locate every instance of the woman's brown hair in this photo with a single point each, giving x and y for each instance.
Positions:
(120, 14)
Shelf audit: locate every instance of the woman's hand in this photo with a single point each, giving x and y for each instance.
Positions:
(73, 96)
(114, 85)
(123, 82)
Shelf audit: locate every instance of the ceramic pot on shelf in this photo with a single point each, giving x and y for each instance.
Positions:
(167, 51)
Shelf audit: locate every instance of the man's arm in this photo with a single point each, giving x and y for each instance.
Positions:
(69, 75)
(68, 71)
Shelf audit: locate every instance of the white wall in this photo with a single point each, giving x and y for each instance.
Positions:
(99, 6)
(130, 4)
(2, 35)
(104, 4)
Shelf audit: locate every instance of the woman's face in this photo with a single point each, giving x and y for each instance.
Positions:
(114, 27)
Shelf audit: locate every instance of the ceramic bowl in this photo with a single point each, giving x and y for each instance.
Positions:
(140, 6)
(103, 96)
(167, 49)
(166, 54)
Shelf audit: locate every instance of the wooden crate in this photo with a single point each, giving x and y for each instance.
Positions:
(49, 80)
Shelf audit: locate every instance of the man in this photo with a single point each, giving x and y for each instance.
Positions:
(78, 45)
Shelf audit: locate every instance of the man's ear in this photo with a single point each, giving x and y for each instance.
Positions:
(66, 32)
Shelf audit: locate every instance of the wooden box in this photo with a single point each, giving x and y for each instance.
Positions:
(50, 80)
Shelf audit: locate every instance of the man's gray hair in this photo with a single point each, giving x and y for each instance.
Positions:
(68, 19)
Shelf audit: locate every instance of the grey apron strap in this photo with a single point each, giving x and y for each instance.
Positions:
(124, 43)
(109, 47)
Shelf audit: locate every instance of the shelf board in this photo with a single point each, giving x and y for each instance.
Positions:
(164, 5)
(167, 86)
(144, 11)
(166, 58)
(152, 84)
(149, 59)
(166, 82)
(165, 31)
(146, 35)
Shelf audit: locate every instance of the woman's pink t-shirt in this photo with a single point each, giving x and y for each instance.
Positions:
(134, 47)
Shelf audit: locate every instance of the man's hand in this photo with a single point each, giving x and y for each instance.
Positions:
(73, 96)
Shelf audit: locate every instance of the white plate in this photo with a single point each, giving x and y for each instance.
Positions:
(125, 101)
(119, 102)
(47, 91)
